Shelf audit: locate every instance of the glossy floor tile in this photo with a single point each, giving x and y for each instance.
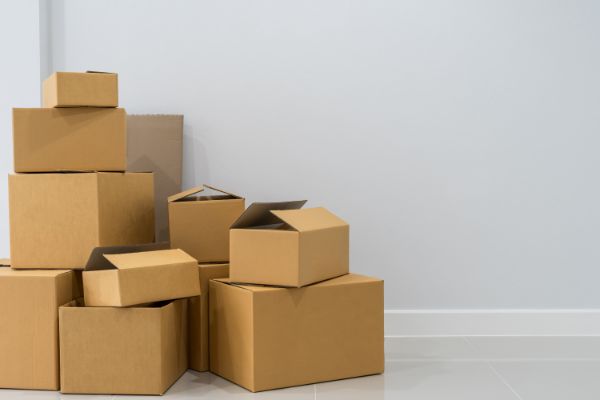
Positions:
(512, 368)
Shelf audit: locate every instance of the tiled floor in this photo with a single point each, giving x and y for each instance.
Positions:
(462, 368)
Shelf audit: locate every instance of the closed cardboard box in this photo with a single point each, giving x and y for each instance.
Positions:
(198, 316)
(136, 350)
(127, 279)
(56, 220)
(280, 244)
(199, 224)
(80, 89)
(155, 143)
(267, 338)
(29, 302)
(69, 139)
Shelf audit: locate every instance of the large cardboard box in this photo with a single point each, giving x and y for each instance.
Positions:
(56, 220)
(29, 302)
(198, 316)
(267, 338)
(120, 279)
(80, 89)
(199, 224)
(155, 143)
(69, 139)
(280, 244)
(136, 350)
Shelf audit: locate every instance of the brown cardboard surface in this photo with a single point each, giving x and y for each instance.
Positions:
(198, 316)
(200, 224)
(57, 219)
(265, 338)
(29, 302)
(69, 139)
(155, 143)
(141, 277)
(282, 245)
(137, 350)
(80, 89)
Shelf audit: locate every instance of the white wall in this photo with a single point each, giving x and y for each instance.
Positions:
(459, 138)
(19, 85)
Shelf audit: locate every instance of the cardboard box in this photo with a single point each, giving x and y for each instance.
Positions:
(265, 338)
(137, 350)
(29, 302)
(199, 224)
(69, 139)
(155, 143)
(122, 278)
(80, 89)
(198, 316)
(280, 244)
(56, 220)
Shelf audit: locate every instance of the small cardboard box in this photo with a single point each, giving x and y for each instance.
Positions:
(29, 302)
(155, 143)
(137, 350)
(265, 338)
(56, 220)
(81, 89)
(198, 316)
(199, 225)
(280, 244)
(69, 139)
(120, 278)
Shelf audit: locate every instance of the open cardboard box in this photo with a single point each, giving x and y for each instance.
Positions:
(131, 275)
(29, 302)
(69, 139)
(81, 89)
(199, 223)
(283, 245)
(135, 350)
(265, 338)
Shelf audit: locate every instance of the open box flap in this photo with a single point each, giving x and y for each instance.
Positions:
(309, 219)
(97, 261)
(154, 258)
(259, 214)
(198, 189)
(185, 193)
(100, 72)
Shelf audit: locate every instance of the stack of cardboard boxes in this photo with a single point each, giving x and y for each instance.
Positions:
(260, 296)
(71, 197)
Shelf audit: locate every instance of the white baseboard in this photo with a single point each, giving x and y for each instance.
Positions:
(492, 322)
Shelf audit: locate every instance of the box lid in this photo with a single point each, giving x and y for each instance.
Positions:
(259, 213)
(198, 189)
(98, 261)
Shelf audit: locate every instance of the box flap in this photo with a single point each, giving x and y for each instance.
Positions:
(150, 259)
(259, 214)
(100, 72)
(185, 193)
(309, 219)
(4, 262)
(198, 189)
(97, 261)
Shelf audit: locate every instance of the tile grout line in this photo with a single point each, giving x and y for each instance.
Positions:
(315, 391)
(494, 370)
